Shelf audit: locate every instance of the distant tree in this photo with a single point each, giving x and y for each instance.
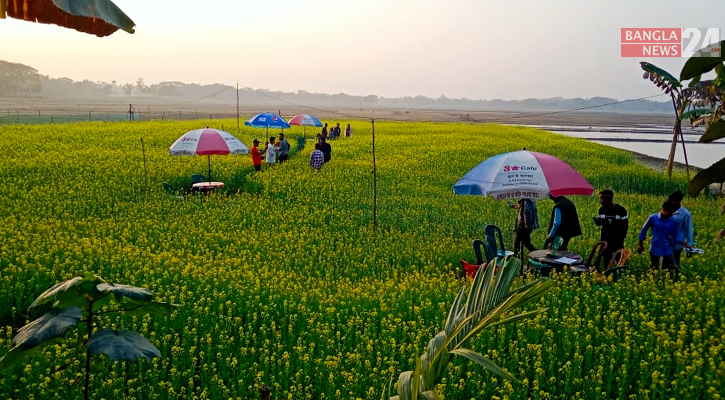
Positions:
(127, 88)
(18, 80)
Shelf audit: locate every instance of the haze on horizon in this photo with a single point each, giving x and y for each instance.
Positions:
(459, 49)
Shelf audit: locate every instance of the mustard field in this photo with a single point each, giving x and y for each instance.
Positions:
(283, 283)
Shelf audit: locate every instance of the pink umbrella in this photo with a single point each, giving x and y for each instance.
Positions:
(205, 142)
(523, 174)
(305, 120)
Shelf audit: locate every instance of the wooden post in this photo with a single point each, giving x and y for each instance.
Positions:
(237, 106)
(375, 184)
(145, 169)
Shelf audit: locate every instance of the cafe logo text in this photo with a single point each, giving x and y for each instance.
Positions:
(670, 42)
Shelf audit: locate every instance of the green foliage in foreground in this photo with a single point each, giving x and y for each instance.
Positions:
(489, 299)
(82, 300)
(288, 287)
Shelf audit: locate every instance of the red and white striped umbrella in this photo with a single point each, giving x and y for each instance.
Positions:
(205, 142)
(523, 174)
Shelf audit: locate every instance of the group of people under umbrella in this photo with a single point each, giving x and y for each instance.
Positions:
(527, 176)
(209, 141)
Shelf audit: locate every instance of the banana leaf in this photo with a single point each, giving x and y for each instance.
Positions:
(96, 17)
(695, 66)
(696, 113)
(653, 69)
(121, 291)
(713, 174)
(715, 130)
(51, 325)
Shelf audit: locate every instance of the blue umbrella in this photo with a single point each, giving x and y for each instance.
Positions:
(267, 120)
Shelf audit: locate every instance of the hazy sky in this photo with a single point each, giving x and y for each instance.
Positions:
(476, 49)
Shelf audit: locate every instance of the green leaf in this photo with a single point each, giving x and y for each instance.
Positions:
(484, 362)
(122, 345)
(131, 292)
(653, 69)
(415, 383)
(53, 324)
(519, 317)
(695, 66)
(56, 290)
(151, 307)
(715, 130)
(97, 17)
(696, 113)
(713, 174)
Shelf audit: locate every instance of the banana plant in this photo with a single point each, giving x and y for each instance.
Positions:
(82, 300)
(680, 101)
(96, 17)
(487, 304)
(710, 95)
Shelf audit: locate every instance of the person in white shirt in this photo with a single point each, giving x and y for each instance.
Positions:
(271, 152)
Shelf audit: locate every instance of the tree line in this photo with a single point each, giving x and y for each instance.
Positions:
(19, 80)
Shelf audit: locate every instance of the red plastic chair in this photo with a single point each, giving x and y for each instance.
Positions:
(471, 269)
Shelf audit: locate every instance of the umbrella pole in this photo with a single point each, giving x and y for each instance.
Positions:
(208, 159)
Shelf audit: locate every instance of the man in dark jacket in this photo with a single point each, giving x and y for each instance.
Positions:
(325, 148)
(564, 221)
(614, 221)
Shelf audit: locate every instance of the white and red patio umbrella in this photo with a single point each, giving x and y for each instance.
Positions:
(523, 174)
(205, 142)
(305, 120)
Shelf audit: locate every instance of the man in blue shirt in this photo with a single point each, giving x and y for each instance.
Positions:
(665, 233)
(684, 217)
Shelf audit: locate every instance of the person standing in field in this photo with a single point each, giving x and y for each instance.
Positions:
(317, 159)
(324, 130)
(527, 220)
(348, 131)
(326, 149)
(271, 152)
(256, 155)
(564, 222)
(684, 218)
(614, 221)
(283, 147)
(337, 130)
(665, 234)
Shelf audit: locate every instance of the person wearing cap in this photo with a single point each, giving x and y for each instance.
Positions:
(614, 221)
(665, 233)
(684, 217)
(256, 155)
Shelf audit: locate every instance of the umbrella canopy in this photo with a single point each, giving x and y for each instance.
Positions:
(267, 120)
(205, 142)
(305, 120)
(523, 174)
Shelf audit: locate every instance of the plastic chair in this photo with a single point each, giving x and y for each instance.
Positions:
(168, 188)
(471, 269)
(477, 244)
(587, 266)
(499, 249)
(196, 178)
(620, 269)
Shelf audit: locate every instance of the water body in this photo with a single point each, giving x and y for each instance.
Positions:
(652, 140)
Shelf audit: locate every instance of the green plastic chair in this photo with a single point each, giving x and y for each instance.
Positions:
(196, 178)
(498, 249)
